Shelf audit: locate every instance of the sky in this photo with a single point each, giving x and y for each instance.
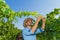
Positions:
(43, 7)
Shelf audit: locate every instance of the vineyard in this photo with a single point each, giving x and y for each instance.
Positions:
(8, 31)
(52, 31)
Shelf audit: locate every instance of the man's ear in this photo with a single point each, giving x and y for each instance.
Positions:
(26, 23)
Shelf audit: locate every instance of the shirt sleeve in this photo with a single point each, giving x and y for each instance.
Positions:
(39, 30)
(28, 32)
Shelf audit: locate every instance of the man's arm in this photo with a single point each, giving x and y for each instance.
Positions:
(36, 24)
(43, 23)
(39, 30)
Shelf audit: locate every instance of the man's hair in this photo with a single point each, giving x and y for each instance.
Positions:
(26, 20)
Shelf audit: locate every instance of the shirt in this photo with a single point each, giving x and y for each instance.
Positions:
(29, 35)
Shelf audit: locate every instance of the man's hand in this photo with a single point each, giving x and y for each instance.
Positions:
(39, 18)
(43, 20)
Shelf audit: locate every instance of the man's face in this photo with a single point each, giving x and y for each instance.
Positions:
(29, 23)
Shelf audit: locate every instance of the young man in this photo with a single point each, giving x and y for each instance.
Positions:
(29, 33)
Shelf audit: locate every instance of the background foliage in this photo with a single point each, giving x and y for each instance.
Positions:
(8, 31)
(52, 30)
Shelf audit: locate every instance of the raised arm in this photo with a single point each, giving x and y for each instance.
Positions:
(36, 24)
(43, 23)
(39, 30)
